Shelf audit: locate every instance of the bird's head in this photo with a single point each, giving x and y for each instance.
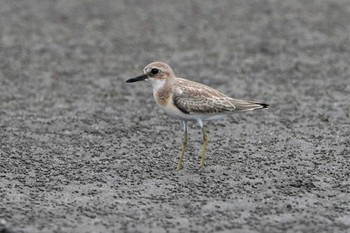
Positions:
(156, 72)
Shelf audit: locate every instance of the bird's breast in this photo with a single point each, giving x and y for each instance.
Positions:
(162, 95)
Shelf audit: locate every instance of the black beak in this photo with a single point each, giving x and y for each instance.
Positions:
(138, 78)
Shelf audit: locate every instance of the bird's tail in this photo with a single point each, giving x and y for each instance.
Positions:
(242, 105)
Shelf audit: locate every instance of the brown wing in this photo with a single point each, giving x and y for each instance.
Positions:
(196, 98)
(201, 105)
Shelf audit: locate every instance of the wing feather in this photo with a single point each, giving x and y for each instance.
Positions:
(196, 98)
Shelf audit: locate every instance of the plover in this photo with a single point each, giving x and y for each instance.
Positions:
(190, 101)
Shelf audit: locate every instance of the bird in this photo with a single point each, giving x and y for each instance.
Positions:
(190, 101)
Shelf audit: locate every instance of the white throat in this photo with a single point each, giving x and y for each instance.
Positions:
(157, 84)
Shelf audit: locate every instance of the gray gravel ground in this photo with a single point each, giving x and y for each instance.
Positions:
(82, 151)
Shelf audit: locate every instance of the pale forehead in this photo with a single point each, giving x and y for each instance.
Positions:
(159, 65)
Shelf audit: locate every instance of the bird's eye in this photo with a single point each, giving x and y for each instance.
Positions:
(154, 71)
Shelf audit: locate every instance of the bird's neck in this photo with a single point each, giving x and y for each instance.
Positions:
(162, 84)
(162, 90)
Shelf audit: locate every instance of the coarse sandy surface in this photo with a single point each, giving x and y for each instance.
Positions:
(83, 151)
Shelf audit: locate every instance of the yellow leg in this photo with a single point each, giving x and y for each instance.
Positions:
(204, 148)
(184, 146)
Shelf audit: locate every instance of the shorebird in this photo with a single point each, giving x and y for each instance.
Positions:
(190, 101)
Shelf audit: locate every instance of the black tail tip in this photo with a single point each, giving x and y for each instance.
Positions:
(264, 105)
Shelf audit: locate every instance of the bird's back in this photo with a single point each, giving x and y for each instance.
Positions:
(196, 98)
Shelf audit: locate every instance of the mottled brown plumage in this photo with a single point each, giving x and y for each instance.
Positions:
(190, 101)
(163, 95)
(196, 98)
